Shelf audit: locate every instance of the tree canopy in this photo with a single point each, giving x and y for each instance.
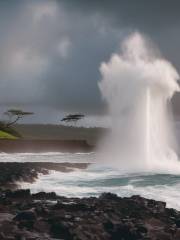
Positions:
(14, 115)
(72, 118)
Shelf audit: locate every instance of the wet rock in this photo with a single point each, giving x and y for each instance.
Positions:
(177, 235)
(110, 196)
(61, 230)
(23, 193)
(11, 172)
(177, 222)
(44, 195)
(48, 216)
(26, 215)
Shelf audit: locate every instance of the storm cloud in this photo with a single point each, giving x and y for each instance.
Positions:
(51, 50)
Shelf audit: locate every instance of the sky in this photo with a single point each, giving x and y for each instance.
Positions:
(51, 50)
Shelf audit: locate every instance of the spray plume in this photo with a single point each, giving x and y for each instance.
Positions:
(138, 85)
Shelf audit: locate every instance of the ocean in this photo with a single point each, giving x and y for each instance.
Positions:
(99, 178)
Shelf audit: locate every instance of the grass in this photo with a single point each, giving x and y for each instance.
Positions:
(5, 135)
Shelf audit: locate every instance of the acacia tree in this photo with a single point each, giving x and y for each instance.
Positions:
(72, 118)
(15, 115)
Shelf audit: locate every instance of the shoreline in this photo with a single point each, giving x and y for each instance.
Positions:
(48, 216)
(42, 146)
(13, 172)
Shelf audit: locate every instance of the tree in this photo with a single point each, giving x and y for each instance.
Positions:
(72, 118)
(15, 115)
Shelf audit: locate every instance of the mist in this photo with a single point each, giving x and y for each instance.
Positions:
(138, 84)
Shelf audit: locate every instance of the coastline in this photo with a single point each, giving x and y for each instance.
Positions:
(43, 145)
(12, 173)
(47, 216)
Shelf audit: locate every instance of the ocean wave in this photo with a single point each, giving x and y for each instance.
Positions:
(89, 182)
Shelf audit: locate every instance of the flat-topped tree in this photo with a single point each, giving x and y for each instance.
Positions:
(72, 118)
(15, 115)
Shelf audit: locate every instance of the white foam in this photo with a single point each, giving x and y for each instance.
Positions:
(137, 85)
(47, 157)
(91, 182)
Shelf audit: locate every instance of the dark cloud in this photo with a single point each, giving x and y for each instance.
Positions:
(144, 15)
(159, 19)
(51, 50)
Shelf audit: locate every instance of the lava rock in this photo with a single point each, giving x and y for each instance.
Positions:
(48, 216)
(26, 215)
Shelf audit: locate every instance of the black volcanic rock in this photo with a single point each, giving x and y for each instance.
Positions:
(45, 196)
(25, 215)
(109, 217)
(22, 193)
(47, 216)
(13, 172)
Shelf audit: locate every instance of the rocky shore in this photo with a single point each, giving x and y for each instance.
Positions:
(11, 173)
(46, 216)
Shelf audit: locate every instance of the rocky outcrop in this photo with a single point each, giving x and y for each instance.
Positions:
(109, 217)
(47, 216)
(11, 172)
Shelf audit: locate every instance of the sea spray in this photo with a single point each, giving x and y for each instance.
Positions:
(138, 85)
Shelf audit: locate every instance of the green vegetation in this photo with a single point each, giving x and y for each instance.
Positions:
(7, 130)
(72, 118)
(5, 135)
(15, 115)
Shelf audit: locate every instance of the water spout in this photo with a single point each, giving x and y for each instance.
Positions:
(137, 85)
(148, 150)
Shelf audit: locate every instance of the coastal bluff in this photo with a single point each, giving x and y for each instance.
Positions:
(38, 146)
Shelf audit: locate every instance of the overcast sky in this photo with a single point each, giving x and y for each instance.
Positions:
(51, 50)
